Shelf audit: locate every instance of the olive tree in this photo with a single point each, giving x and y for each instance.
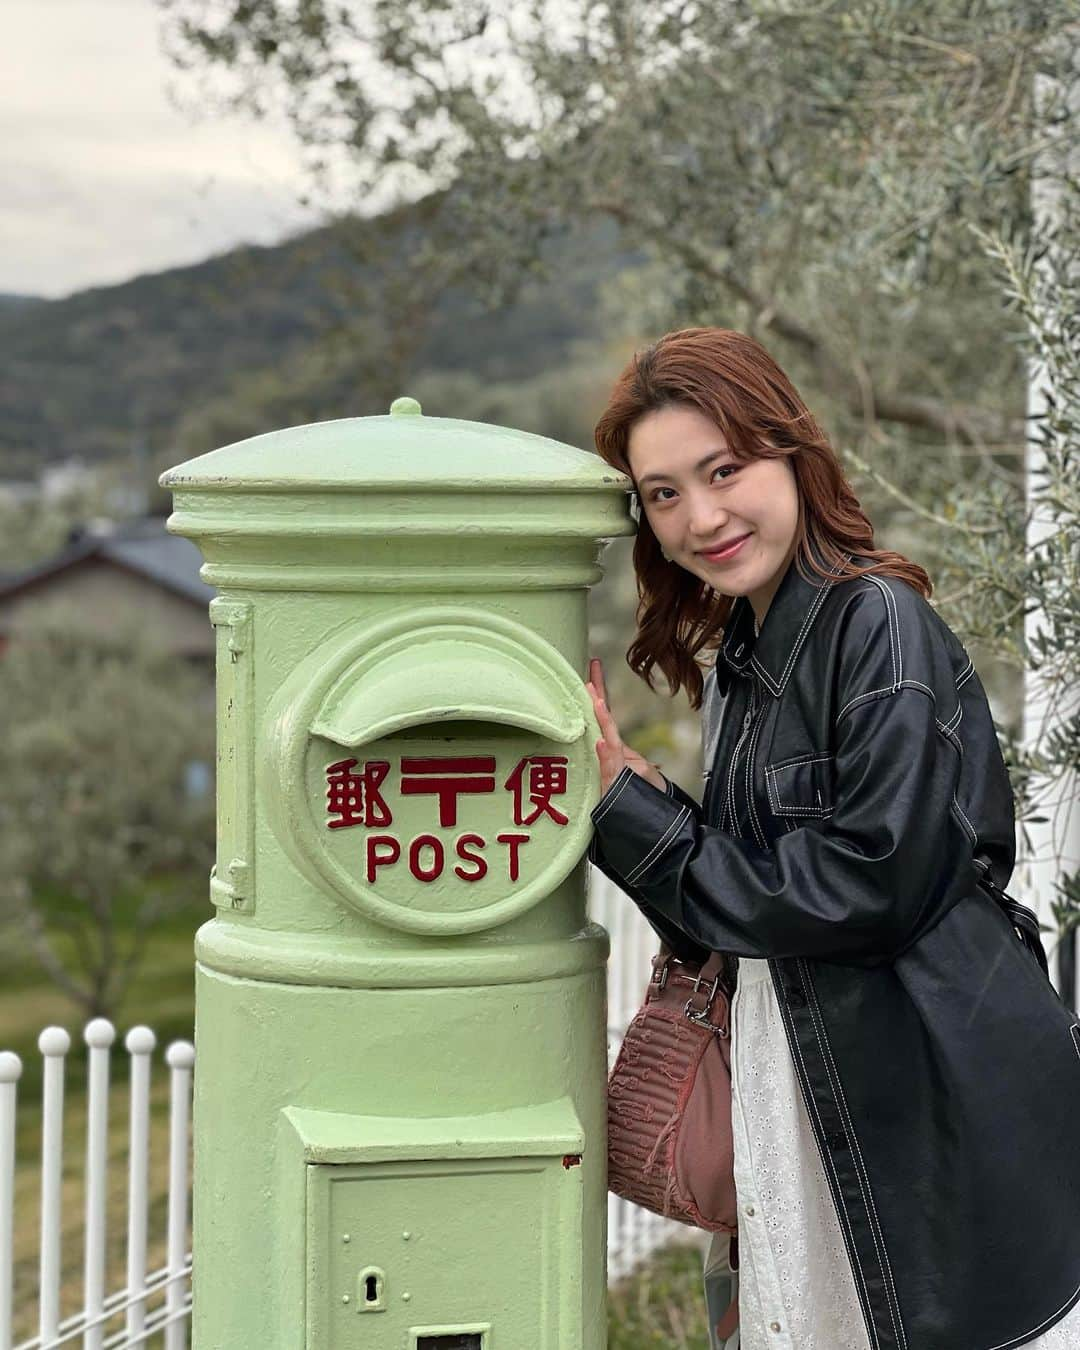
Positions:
(850, 181)
(101, 835)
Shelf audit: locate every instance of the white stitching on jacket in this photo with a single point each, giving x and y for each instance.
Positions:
(751, 712)
(955, 720)
(777, 687)
(966, 824)
(861, 698)
(819, 600)
(860, 1166)
(818, 812)
(791, 809)
(799, 759)
(755, 822)
(599, 815)
(1026, 1336)
(954, 738)
(895, 650)
(787, 809)
(658, 847)
(895, 653)
(949, 734)
(885, 690)
(770, 792)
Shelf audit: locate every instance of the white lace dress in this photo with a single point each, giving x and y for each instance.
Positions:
(796, 1289)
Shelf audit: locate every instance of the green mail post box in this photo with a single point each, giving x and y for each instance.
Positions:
(399, 1117)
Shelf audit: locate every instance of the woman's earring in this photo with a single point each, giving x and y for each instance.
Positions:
(667, 555)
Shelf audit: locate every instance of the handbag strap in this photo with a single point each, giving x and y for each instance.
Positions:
(704, 986)
(1023, 919)
(709, 970)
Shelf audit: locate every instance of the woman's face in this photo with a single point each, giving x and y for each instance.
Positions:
(728, 522)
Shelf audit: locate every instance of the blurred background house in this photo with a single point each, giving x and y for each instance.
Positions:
(112, 577)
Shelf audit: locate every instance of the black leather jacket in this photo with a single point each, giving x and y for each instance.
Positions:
(856, 801)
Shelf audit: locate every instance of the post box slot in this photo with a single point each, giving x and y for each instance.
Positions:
(469, 1340)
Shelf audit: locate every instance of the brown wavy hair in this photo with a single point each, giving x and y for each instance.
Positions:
(734, 381)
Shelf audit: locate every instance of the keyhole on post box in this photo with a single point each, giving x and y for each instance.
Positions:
(371, 1293)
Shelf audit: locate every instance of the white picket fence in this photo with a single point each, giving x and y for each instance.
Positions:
(159, 1301)
(151, 1301)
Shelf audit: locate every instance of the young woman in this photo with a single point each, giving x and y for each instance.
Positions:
(906, 1082)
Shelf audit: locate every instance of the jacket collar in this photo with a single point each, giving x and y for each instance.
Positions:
(790, 616)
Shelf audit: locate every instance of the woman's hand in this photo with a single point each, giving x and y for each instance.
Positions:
(613, 755)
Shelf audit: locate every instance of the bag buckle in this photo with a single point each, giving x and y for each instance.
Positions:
(661, 971)
(701, 1015)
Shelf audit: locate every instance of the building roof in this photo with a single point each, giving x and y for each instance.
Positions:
(140, 546)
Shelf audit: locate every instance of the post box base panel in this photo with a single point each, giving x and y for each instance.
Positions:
(444, 1253)
(472, 1119)
(435, 770)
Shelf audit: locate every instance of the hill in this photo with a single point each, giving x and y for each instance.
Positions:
(17, 300)
(295, 330)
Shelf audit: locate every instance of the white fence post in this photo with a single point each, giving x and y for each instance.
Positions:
(180, 1057)
(99, 1036)
(10, 1071)
(140, 1042)
(54, 1044)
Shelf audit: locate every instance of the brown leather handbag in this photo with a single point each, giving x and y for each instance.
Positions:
(669, 1099)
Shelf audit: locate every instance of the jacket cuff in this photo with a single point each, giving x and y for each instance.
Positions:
(636, 823)
(684, 798)
(615, 789)
(680, 943)
(670, 790)
(595, 852)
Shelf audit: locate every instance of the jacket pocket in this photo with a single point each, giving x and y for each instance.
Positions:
(802, 786)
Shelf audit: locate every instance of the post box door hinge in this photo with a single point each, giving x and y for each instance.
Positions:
(232, 877)
(236, 616)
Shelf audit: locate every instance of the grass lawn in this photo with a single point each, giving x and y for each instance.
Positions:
(662, 1306)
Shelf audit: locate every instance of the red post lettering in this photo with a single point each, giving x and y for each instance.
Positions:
(546, 779)
(435, 870)
(461, 846)
(446, 778)
(375, 858)
(354, 798)
(512, 841)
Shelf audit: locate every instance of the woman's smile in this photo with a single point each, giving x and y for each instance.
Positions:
(727, 551)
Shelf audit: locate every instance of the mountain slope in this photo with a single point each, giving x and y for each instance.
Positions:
(110, 368)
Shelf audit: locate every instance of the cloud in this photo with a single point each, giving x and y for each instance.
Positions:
(103, 176)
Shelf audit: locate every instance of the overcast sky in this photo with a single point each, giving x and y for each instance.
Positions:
(102, 177)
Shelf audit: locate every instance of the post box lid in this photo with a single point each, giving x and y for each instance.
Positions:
(401, 448)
